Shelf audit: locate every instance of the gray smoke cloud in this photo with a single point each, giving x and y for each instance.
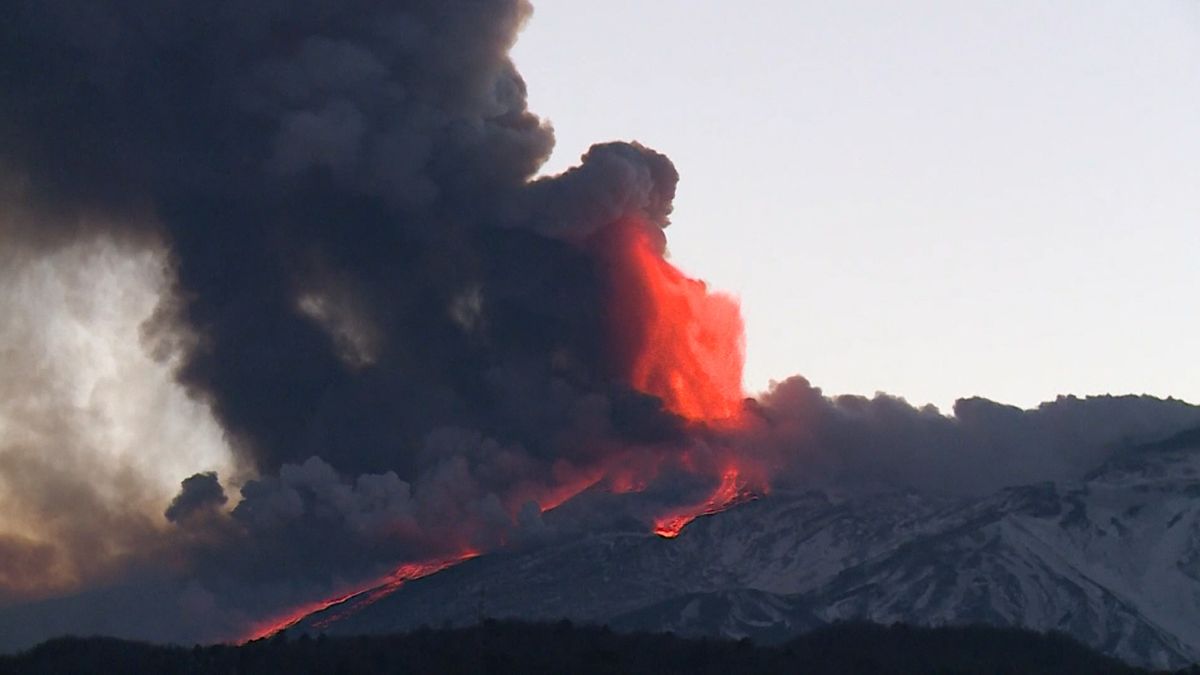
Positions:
(885, 442)
(612, 181)
(199, 493)
(94, 432)
(397, 330)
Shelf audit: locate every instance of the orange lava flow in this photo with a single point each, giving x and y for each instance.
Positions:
(348, 603)
(268, 627)
(732, 490)
(678, 341)
(675, 339)
(671, 338)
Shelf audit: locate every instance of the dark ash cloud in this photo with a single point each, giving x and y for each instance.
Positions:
(885, 442)
(361, 285)
(198, 493)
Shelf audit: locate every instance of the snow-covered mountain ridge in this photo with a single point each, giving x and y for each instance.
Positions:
(1112, 559)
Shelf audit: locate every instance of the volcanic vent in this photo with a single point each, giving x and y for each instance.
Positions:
(669, 338)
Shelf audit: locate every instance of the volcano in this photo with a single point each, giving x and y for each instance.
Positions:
(1111, 560)
(440, 384)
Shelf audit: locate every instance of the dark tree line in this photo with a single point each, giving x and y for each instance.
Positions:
(516, 647)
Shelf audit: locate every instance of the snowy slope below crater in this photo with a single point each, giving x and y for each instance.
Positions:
(1113, 560)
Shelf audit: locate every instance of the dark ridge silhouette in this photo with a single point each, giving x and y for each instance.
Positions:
(517, 647)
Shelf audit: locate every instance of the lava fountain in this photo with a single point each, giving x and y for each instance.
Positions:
(675, 339)
(672, 337)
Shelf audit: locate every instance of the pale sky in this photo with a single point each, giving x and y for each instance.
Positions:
(932, 199)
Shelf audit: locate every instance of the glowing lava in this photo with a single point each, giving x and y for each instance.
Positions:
(672, 338)
(731, 491)
(676, 339)
(346, 604)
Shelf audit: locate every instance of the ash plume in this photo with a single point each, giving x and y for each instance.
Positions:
(884, 442)
(336, 183)
(361, 268)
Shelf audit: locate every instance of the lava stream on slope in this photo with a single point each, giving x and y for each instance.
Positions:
(346, 604)
(671, 338)
(680, 342)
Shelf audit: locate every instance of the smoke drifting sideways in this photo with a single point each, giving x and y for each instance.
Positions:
(365, 333)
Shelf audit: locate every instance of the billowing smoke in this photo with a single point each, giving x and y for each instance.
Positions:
(359, 267)
(353, 330)
(344, 192)
(94, 433)
(883, 442)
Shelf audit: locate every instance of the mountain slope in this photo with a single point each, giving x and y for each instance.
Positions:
(1113, 560)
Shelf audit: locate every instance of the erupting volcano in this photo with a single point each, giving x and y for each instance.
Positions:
(671, 338)
(414, 343)
(299, 313)
(682, 343)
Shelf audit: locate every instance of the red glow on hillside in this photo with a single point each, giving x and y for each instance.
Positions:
(347, 603)
(671, 338)
(623, 481)
(675, 338)
(268, 627)
(730, 491)
(553, 497)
